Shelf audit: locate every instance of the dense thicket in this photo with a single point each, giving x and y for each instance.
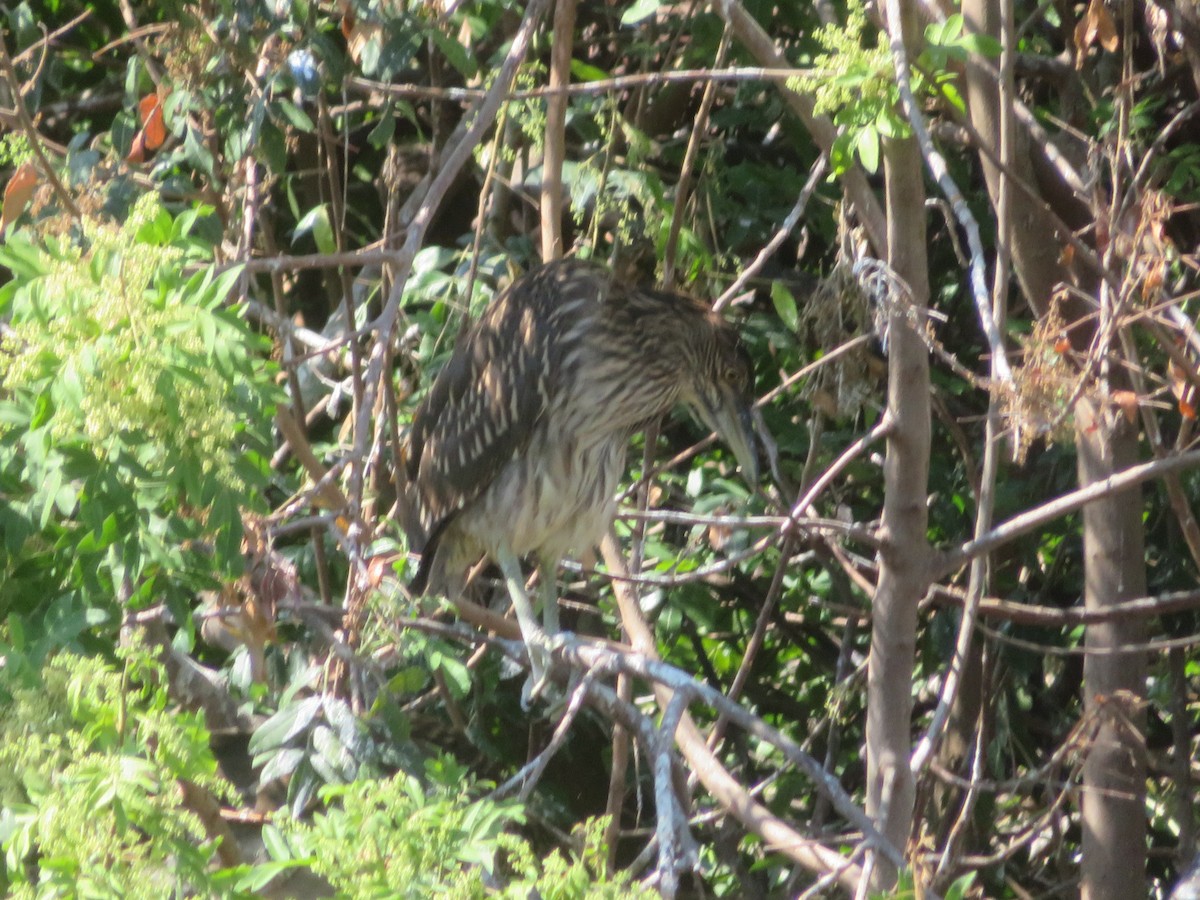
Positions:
(945, 646)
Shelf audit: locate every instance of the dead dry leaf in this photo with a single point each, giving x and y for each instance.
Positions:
(1096, 26)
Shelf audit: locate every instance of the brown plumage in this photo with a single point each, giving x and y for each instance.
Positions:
(518, 448)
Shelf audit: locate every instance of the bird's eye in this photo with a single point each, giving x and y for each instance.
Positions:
(733, 374)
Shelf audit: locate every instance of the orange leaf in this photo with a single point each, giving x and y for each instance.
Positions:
(153, 132)
(18, 192)
(1061, 346)
(1128, 402)
(151, 109)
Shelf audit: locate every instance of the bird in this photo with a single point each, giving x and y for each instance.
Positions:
(518, 447)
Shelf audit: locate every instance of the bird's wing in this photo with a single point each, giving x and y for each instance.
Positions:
(487, 400)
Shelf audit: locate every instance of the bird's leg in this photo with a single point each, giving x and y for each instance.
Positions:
(531, 632)
(548, 589)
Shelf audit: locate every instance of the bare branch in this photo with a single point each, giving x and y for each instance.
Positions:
(1068, 503)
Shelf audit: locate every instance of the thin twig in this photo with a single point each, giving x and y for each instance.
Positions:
(789, 223)
(980, 574)
(687, 169)
(587, 654)
(554, 152)
(590, 88)
(941, 174)
(529, 774)
(31, 133)
(716, 778)
(1061, 506)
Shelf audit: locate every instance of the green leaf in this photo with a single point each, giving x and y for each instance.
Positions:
(785, 305)
(284, 725)
(331, 759)
(432, 258)
(958, 890)
(639, 10)
(282, 764)
(15, 527)
(296, 117)
(272, 147)
(457, 675)
(982, 44)
(253, 879)
(276, 843)
(950, 91)
(52, 481)
(18, 417)
(455, 53)
(944, 32)
(867, 145)
(226, 521)
(316, 220)
(582, 71)
(408, 680)
(16, 632)
(840, 155)
(381, 135)
(197, 151)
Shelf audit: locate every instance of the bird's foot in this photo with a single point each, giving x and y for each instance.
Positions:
(541, 661)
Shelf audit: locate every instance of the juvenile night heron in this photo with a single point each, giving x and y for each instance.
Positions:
(518, 447)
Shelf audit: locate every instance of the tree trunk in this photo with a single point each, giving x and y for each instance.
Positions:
(904, 558)
(1114, 775)
(1114, 848)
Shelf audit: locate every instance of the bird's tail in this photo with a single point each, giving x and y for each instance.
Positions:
(429, 556)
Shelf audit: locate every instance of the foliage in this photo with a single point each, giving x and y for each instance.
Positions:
(410, 837)
(852, 81)
(134, 418)
(137, 393)
(93, 764)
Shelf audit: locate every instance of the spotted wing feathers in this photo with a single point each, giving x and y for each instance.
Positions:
(498, 383)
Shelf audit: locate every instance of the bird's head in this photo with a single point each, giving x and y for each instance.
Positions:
(723, 395)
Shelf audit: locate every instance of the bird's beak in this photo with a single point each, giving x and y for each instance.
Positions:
(731, 417)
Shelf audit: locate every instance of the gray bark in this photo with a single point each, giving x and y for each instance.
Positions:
(904, 558)
(1114, 850)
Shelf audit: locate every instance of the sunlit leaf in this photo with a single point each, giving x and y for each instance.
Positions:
(316, 221)
(639, 10)
(785, 304)
(18, 192)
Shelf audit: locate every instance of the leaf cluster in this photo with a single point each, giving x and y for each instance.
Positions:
(410, 837)
(93, 764)
(134, 417)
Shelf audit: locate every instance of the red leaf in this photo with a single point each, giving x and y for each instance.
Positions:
(151, 111)
(153, 132)
(18, 192)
